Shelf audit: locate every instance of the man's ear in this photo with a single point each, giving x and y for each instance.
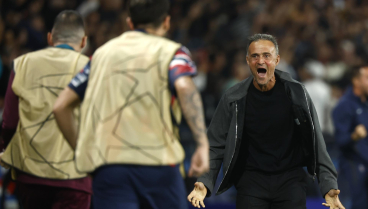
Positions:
(49, 39)
(130, 23)
(278, 58)
(167, 23)
(84, 42)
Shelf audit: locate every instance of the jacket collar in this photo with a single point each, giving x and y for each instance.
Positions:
(240, 90)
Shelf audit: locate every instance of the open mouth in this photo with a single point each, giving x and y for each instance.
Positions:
(261, 72)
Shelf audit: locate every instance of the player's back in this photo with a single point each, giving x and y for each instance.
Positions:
(126, 114)
(38, 147)
(42, 75)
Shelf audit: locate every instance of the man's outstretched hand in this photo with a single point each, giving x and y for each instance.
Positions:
(198, 194)
(332, 200)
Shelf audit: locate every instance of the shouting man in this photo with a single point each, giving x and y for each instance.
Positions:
(265, 129)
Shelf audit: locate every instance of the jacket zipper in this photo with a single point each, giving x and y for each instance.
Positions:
(236, 139)
(314, 137)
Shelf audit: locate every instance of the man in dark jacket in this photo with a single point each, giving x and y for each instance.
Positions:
(350, 118)
(265, 129)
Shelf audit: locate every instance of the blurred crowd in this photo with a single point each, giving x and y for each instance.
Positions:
(319, 40)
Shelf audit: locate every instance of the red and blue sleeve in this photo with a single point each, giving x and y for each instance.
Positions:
(181, 65)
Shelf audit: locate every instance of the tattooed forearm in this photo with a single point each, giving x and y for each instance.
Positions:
(191, 105)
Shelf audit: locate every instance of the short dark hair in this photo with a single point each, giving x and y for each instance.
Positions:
(148, 12)
(68, 27)
(259, 36)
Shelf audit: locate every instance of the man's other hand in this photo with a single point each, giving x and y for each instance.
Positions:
(200, 161)
(332, 200)
(198, 194)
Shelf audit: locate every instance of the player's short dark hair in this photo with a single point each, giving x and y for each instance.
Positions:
(259, 36)
(148, 12)
(68, 27)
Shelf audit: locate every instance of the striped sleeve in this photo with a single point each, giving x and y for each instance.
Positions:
(181, 65)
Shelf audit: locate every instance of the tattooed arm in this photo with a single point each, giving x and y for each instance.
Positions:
(191, 105)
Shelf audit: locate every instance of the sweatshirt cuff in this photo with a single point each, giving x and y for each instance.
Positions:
(208, 184)
(327, 186)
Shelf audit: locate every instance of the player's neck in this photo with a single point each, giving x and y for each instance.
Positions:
(74, 46)
(155, 31)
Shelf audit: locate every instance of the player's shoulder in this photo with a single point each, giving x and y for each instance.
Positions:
(35, 55)
(168, 41)
(106, 48)
(154, 37)
(182, 53)
(84, 58)
(165, 43)
(108, 45)
(183, 50)
(47, 50)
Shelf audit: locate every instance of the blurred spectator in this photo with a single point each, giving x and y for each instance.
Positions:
(312, 77)
(351, 121)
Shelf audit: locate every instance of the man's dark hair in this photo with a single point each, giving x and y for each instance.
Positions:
(148, 12)
(68, 27)
(259, 36)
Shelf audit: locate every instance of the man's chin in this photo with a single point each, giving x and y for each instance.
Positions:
(261, 83)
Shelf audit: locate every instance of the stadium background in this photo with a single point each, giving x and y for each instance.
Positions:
(319, 41)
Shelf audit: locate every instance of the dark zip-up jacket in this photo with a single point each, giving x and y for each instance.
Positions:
(226, 130)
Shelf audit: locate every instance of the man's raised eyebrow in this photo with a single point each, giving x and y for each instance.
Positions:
(254, 54)
(260, 53)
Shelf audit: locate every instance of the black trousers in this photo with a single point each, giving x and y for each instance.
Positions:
(265, 191)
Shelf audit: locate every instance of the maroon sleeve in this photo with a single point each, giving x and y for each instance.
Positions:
(10, 115)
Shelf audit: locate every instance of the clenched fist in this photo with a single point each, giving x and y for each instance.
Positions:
(359, 133)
